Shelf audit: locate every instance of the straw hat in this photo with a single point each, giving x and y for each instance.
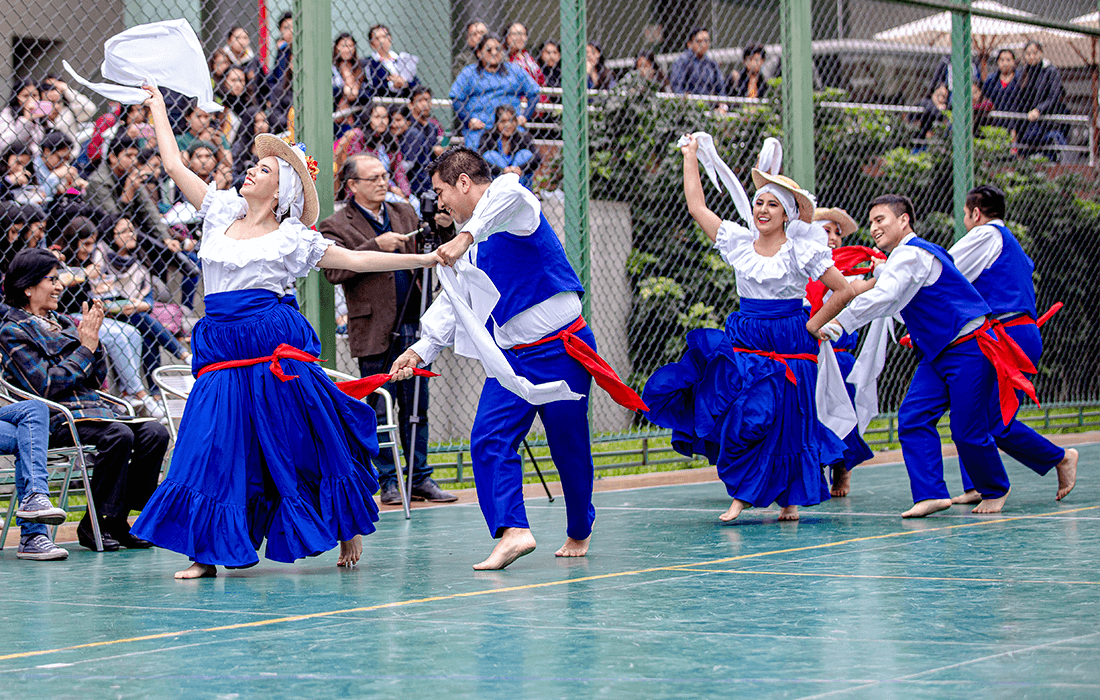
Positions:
(803, 198)
(839, 217)
(305, 166)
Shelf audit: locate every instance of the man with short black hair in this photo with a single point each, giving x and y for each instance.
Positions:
(390, 73)
(695, 72)
(750, 83)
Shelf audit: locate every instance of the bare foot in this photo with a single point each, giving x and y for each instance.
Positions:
(350, 551)
(573, 548)
(927, 507)
(734, 510)
(198, 570)
(788, 513)
(992, 505)
(841, 482)
(514, 543)
(1067, 473)
(971, 496)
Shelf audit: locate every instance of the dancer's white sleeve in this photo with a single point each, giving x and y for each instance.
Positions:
(437, 329)
(505, 206)
(907, 270)
(975, 252)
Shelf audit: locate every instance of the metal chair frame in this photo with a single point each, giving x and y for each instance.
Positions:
(60, 460)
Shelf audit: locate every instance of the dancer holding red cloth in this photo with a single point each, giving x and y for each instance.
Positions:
(269, 449)
(539, 354)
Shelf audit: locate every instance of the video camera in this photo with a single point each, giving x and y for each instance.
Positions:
(434, 235)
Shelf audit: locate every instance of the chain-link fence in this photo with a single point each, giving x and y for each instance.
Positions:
(409, 79)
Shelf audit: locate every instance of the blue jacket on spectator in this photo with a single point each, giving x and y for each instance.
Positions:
(697, 76)
(477, 93)
(416, 152)
(376, 76)
(54, 366)
(1005, 98)
(1041, 89)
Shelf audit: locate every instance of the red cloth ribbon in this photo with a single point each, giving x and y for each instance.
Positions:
(595, 365)
(850, 260)
(906, 341)
(1009, 361)
(782, 358)
(356, 388)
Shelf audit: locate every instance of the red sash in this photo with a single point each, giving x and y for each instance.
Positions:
(356, 388)
(850, 260)
(1008, 360)
(595, 365)
(782, 358)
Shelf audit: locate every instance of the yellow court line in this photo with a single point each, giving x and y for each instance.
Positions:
(686, 568)
(898, 578)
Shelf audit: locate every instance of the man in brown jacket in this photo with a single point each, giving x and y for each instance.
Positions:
(376, 334)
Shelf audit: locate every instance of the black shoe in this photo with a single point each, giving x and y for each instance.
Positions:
(428, 490)
(119, 529)
(390, 495)
(86, 537)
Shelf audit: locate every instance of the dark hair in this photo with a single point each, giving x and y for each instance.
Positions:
(144, 108)
(989, 199)
(340, 37)
(78, 229)
(16, 148)
(29, 267)
(55, 141)
(599, 50)
(10, 213)
(472, 23)
(1036, 44)
(121, 143)
(504, 32)
(695, 32)
(16, 87)
(548, 42)
(403, 110)
(145, 155)
(898, 203)
(489, 36)
(502, 109)
(459, 160)
(214, 54)
(33, 212)
(107, 224)
(349, 170)
(197, 144)
(235, 27)
(420, 90)
(372, 30)
(752, 50)
(1010, 52)
(284, 17)
(193, 105)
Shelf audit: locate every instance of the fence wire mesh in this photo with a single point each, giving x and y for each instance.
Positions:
(79, 172)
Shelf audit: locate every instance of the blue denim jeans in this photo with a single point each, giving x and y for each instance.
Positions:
(123, 345)
(155, 337)
(25, 433)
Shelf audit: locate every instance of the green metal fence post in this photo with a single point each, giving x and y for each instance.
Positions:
(962, 136)
(574, 136)
(313, 127)
(798, 91)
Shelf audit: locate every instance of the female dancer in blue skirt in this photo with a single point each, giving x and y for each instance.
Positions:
(268, 448)
(745, 397)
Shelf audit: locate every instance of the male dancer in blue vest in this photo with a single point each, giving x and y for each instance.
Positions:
(942, 312)
(992, 259)
(505, 235)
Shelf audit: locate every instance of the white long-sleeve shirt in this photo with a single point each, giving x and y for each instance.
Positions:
(506, 206)
(976, 252)
(906, 270)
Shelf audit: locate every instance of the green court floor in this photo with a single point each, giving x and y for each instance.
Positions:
(851, 602)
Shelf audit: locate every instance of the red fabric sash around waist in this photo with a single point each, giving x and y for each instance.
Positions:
(1008, 360)
(595, 365)
(1023, 319)
(356, 388)
(782, 358)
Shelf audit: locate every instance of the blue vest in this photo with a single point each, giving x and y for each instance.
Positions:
(939, 311)
(1006, 285)
(526, 270)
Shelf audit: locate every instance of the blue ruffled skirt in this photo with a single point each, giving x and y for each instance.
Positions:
(740, 410)
(257, 458)
(856, 450)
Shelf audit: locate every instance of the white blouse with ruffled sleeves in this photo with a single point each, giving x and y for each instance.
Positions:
(781, 276)
(271, 262)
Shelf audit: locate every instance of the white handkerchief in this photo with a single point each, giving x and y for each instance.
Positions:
(720, 173)
(165, 54)
(867, 368)
(834, 408)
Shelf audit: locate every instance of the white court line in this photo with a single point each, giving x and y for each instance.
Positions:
(809, 514)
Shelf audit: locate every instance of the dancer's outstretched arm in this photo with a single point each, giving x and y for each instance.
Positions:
(374, 261)
(842, 294)
(190, 184)
(693, 190)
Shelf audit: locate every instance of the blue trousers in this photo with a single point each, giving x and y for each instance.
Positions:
(961, 379)
(25, 433)
(502, 422)
(1018, 441)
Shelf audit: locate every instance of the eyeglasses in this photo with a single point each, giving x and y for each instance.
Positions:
(376, 178)
(52, 279)
(493, 49)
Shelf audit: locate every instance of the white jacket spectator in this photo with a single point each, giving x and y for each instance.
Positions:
(72, 113)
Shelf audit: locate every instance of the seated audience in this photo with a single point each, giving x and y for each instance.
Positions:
(1041, 94)
(1003, 89)
(61, 175)
(389, 73)
(198, 129)
(420, 106)
(21, 226)
(508, 150)
(468, 55)
(479, 88)
(750, 82)
(20, 180)
(550, 64)
(934, 106)
(236, 100)
(47, 354)
(238, 49)
(694, 72)
(515, 46)
(71, 112)
(24, 434)
(23, 119)
(981, 106)
(415, 148)
(244, 156)
(647, 72)
(599, 75)
(218, 63)
(348, 77)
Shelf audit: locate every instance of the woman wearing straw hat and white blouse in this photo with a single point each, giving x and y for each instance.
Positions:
(268, 448)
(745, 397)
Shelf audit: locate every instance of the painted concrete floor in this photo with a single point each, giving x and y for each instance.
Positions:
(851, 602)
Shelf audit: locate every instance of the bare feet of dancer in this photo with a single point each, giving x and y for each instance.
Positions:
(927, 507)
(971, 496)
(841, 482)
(1067, 473)
(515, 542)
(573, 548)
(992, 505)
(788, 513)
(198, 570)
(734, 510)
(350, 551)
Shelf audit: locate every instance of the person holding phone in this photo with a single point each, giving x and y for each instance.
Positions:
(22, 119)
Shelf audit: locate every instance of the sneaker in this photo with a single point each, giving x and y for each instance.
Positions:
(40, 548)
(37, 508)
(153, 408)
